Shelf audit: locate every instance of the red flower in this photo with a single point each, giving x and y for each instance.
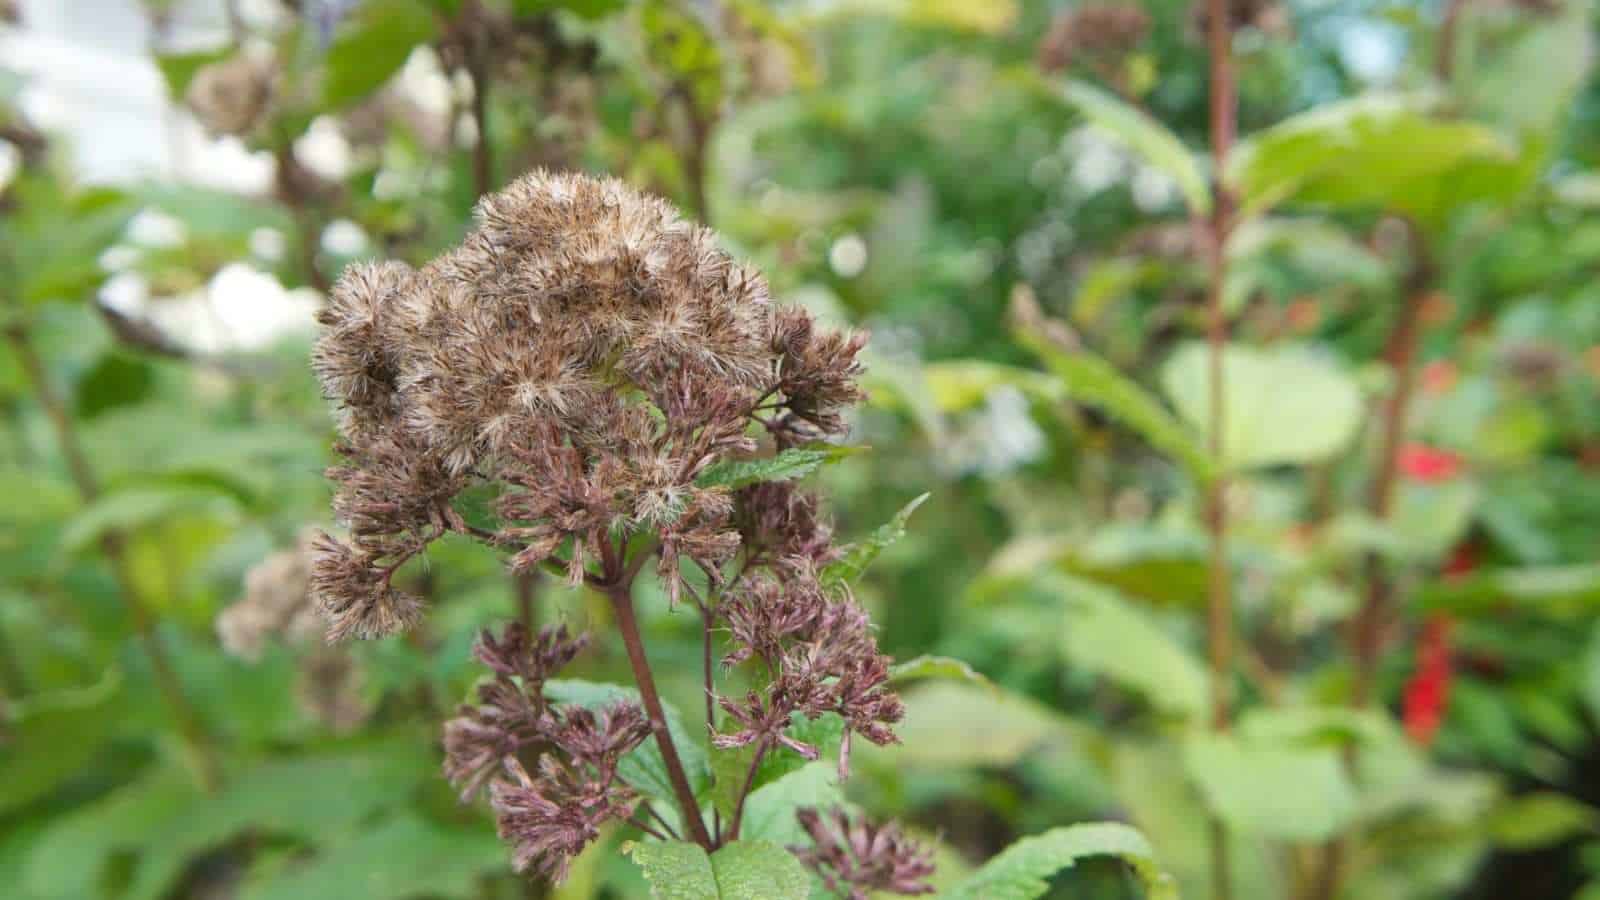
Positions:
(1430, 465)
(1428, 692)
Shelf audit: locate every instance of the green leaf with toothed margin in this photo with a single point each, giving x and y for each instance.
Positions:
(742, 870)
(859, 556)
(789, 465)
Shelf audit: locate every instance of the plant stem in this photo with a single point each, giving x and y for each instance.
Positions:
(114, 545)
(622, 605)
(1366, 628)
(1224, 112)
(1367, 631)
(478, 72)
(744, 789)
(527, 588)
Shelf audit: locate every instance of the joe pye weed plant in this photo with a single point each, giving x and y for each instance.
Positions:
(633, 398)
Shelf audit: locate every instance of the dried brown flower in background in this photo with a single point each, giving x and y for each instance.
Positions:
(1093, 34)
(231, 96)
(857, 858)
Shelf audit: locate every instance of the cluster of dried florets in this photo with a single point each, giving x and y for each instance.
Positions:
(592, 356)
(231, 96)
(277, 608)
(1093, 34)
(822, 657)
(551, 814)
(587, 350)
(856, 858)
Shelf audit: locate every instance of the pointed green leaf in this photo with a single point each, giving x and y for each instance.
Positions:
(1107, 635)
(1021, 871)
(858, 557)
(943, 668)
(789, 465)
(1146, 137)
(1095, 382)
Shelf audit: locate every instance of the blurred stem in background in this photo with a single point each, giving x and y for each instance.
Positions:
(113, 544)
(1224, 115)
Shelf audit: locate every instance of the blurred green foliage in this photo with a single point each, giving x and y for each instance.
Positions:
(909, 166)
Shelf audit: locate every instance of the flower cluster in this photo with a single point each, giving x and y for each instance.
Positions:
(551, 814)
(823, 658)
(277, 608)
(586, 350)
(856, 858)
(1092, 33)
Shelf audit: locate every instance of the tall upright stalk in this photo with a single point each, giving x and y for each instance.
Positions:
(114, 545)
(1219, 609)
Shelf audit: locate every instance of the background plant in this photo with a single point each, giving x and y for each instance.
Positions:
(912, 167)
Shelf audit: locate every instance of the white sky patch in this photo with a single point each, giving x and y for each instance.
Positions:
(343, 237)
(324, 149)
(848, 256)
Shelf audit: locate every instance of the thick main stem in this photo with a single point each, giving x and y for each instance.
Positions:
(622, 605)
(1219, 608)
(114, 546)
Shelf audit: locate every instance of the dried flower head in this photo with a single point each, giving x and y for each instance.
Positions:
(587, 350)
(231, 96)
(1093, 33)
(275, 605)
(855, 858)
(549, 816)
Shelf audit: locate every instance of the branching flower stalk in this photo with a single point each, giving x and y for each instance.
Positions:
(601, 363)
(1224, 114)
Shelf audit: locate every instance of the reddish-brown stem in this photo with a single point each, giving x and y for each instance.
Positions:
(114, 546)
(1367, 629)
(527, 588)
(478, 72)
(744, 789)
(622, 605)
(1224, 112)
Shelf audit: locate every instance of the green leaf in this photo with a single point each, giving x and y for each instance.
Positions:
(961, 384)
(1091, 380)
(789, 465)
(178, 69)
(1106, 635)
(117, 379)
(1020, 872)
(943, 668)
(769, 811)
(129, 509)
(1146, 137)
(584, 9)
(167, 821)
(1540, 819)
(1555, 591)
(730, 768)
(943, 716)
(1282, 406)
(400, 858)
(759, 870)
(1377, 152)
(643, 767)
(372, 46)
(847, 569)
(742, 870)
(1289, 792)
(676, 870)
